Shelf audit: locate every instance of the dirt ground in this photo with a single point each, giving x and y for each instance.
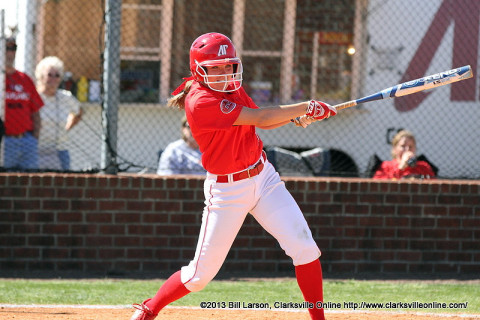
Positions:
(179, 313)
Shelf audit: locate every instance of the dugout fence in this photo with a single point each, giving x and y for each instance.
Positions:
(292, 50)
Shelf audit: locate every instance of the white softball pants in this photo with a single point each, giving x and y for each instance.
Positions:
(226, 207)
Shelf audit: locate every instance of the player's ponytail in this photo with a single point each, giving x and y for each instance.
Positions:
(178, 100)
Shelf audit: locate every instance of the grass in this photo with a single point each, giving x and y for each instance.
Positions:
(341, 293)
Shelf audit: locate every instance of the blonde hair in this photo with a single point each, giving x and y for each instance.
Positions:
(49, 62)
(179, 99)
(399, 136)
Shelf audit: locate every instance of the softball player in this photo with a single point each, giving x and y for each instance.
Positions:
(239, 180)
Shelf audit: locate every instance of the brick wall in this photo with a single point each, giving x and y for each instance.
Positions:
(144, 223)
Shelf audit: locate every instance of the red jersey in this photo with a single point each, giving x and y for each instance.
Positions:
(225, 148)
(389, 170)
(21, 100)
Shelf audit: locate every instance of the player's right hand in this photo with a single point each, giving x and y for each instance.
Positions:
(319, 110)
(303, 121)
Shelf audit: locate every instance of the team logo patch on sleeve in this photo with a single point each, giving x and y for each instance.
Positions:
(227, 106)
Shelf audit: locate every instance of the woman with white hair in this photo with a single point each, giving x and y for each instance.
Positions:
(61, 113)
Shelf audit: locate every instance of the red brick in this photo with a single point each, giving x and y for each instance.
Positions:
(446, 268)
(111, 229)
(13, 192)
(382, 255)
(54, 253)
(435, 233)
(353, 255)
(382, 209)
(41, 192)
(84, 204)
(103, 193)
(139, 254)
(355, 232)
(169, 229)
(41, 217)
(469, 268)
(100, 217)
(28, 228)
(55, 205)
(29, 253)
(398, 198)
(125, 194)
(84, 253)
(423, 267)
(56, 229)
(185, 218)
(165, 253)
(180, 194)
(395, 244)
(436, 210)
(448, 222)
(371, 198)
(383, 232)
(408, 255)
(126, 218)
(157, 241)
(112, 205)
(423, 222)
(460, 256)
(460, 211)
(69, 216)
(154, 217)
(449, 199)
(140, 229)
(395, 267)
(370, 221)
(434, 256)
(139, 206)
(460, 234)
(47, 240)
(26, 204)
(316, 197)
(98, 241)
(69, 241)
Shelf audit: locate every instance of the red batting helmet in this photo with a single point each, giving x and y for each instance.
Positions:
(215, 49)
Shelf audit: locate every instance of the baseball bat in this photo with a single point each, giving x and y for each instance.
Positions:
(413, 86)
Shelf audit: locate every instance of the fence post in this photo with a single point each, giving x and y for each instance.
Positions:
(111, 85)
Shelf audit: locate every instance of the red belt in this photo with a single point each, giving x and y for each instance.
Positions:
(245, 174)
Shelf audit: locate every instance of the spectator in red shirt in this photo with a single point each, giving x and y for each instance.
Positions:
(22, 117)
(404, 163)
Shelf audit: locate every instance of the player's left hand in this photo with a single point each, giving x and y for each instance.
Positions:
(303, 121)
(319, 110)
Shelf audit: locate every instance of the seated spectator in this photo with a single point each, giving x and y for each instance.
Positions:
(404, 163)
(182, 156)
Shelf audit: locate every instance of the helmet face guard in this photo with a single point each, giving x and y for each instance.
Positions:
(230, 81)
(215, 49)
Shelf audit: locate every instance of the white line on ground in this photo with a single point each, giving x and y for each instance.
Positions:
(77, 306)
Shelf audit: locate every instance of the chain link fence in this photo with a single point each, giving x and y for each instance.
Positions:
(292, 50)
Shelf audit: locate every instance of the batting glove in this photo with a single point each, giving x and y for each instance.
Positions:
(319, 110)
